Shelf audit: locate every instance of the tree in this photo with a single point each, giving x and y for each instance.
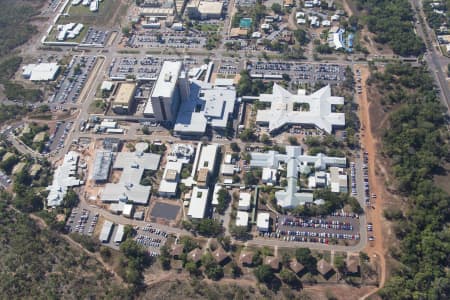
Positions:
(276, 8)
(303, 256)
(264, 273)
(214, 272)
(301, 37)
(235, 147)
(212, 269)
(188, 244)
(236, 271)
(240, 232)
(250, 178)
(126, 31)
(164, 257)
(289, 277)
(105, 252)
(146, 130)
(286, 77)
(71, 199)
(128, 231)
(264, 138)
(223, 198)
(339, 263)
(257, 259)
(208, 227)
(192, 268)
(293, 140)
(247, 135)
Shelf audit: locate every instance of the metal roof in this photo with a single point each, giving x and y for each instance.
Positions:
(106, 231)
(282, 111)
(198, 203)
(102, 165)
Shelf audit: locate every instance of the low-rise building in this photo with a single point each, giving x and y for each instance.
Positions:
(262, 221)
(227, 169)
(220, 256)
(118, 237)
(195, 255)
(324, 268)
(207, 105)
(102, 166)
(63, 178)
(282, 109)
(246, 258)
(338, 180)
(105, 233)
(123, 101)
(203, 10)
(198, 203)
(40, 72)
(242, 219)
(273, 262)
(269, 176)
(171, 176)
(132, 164)
(244, 201)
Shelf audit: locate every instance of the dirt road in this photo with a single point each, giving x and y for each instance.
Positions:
(376, 249)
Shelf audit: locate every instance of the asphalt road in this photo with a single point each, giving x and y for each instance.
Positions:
(433, 57)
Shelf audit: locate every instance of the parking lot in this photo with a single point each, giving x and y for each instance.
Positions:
(73, 79)
(298, 72)
(228, 68)
(168, 38)
(369, 198)
(95, 37)
(56, 140)
(151, 237)
(82, 221)
(338, 226)
(145, 68)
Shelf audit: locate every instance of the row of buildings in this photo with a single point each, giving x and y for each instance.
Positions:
(190, 106)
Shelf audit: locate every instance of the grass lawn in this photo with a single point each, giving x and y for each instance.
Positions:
(102, 17)
(207, 27)
(97, 107)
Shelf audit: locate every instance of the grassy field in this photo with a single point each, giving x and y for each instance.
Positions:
(207, 27)
(103, 17)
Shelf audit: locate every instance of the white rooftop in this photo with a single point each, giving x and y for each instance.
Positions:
(41, 72)
(295, 163)
(262, 221)
(244, 201)
(169, 186)
(128, 189)
(209, 7)
(208, 157)
(227, 169)
(242, 218)
(198, 203)
(106, 231)
(63, 178)
(207, 104)
(118, 238)
(282, 111)
(167, 79)
(217, 188)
